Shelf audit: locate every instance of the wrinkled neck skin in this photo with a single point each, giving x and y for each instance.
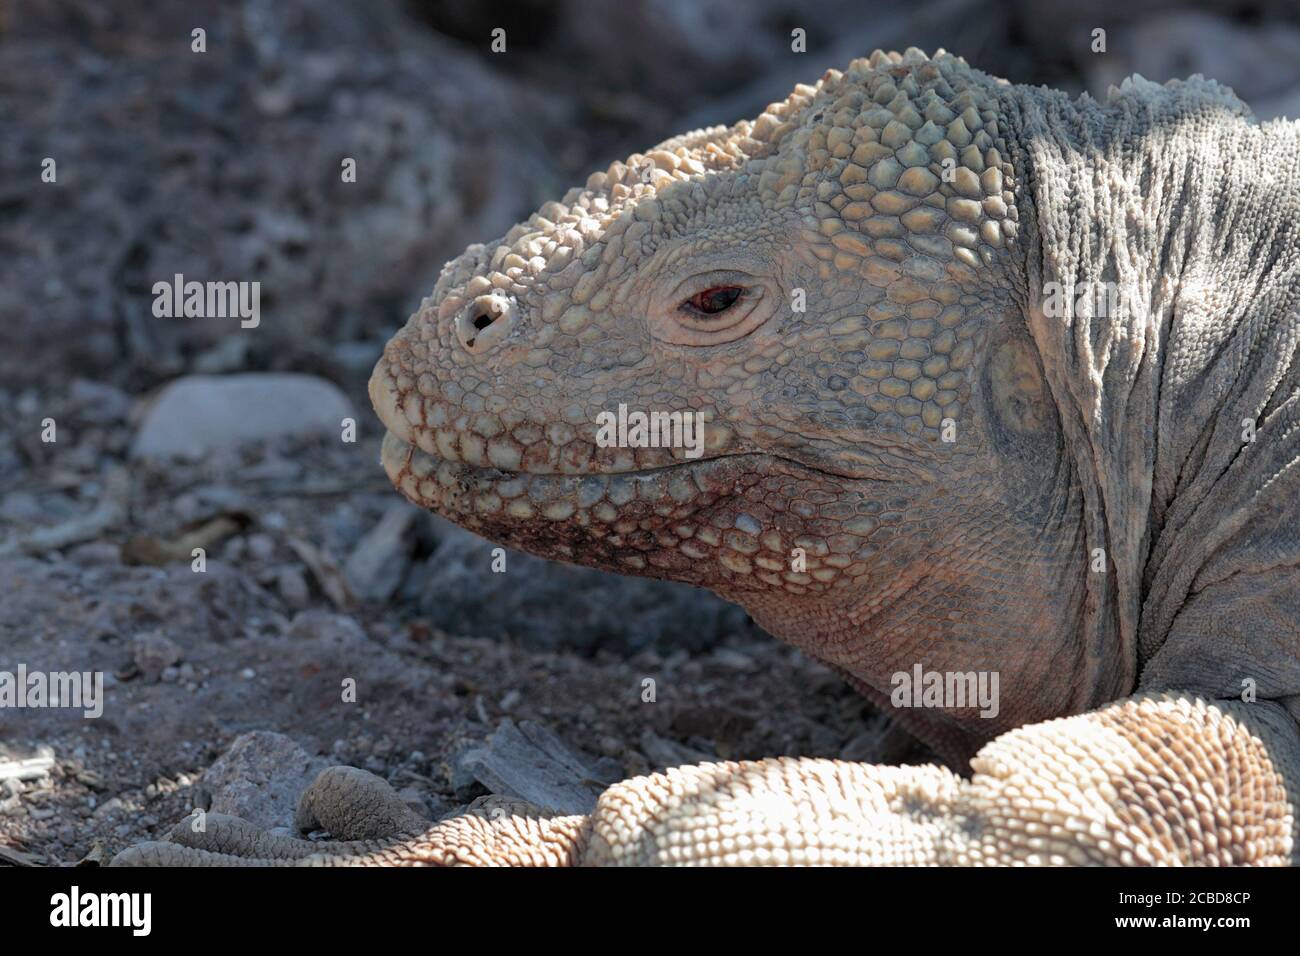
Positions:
(1173, 199)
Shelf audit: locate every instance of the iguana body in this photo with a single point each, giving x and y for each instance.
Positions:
(930, 441)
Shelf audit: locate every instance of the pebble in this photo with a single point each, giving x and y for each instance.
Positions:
(153, 653)
(261, 547)
(108, 807)
(292, 585)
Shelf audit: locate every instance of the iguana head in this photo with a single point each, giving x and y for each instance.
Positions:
(828, 286)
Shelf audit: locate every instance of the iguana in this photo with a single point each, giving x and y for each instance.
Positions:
(993, 380)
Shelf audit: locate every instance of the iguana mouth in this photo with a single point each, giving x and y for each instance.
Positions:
(460, 488)
(660, 522)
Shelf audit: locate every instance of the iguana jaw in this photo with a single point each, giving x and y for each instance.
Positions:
(708, 522)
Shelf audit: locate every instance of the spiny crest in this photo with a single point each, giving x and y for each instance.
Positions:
(615, 201)
(903, 158)
(882, 132)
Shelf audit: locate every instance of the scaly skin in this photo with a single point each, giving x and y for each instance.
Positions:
(975, 482)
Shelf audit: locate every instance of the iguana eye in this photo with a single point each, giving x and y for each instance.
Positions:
(715, 300)
(712, 308)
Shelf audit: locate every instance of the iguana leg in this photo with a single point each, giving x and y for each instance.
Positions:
(376, 828)
(1152, 779)
(1155, 779)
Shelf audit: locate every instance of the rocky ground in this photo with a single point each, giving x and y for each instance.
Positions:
(317, 574)
(330, 621)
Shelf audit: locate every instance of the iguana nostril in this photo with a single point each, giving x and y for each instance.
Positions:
(485, 321)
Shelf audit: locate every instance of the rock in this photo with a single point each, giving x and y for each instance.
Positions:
(378, 563)
(732, 659)
(292, 585)
(21, 507)
(153, 653)
(108, 808)
(198, 415)
(229, 354)
(260, 777)
(260, 547)
(96, 552)
(664, 753)
(884, 742)
(531, 762)
(326, 626)
(356, 359)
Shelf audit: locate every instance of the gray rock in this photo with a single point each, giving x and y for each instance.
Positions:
(21, 506)
(96, 552)
(326, 626)
(378, 563)
(153, 653)
(230, 354)
(198, 415)
(260, 778)
(260, 547)
(292, 585)
(664, 753)
(531, 762)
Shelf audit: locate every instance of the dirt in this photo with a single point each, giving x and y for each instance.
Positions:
(193, 659)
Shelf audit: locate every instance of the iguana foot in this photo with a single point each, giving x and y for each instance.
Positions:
(1153, 779)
